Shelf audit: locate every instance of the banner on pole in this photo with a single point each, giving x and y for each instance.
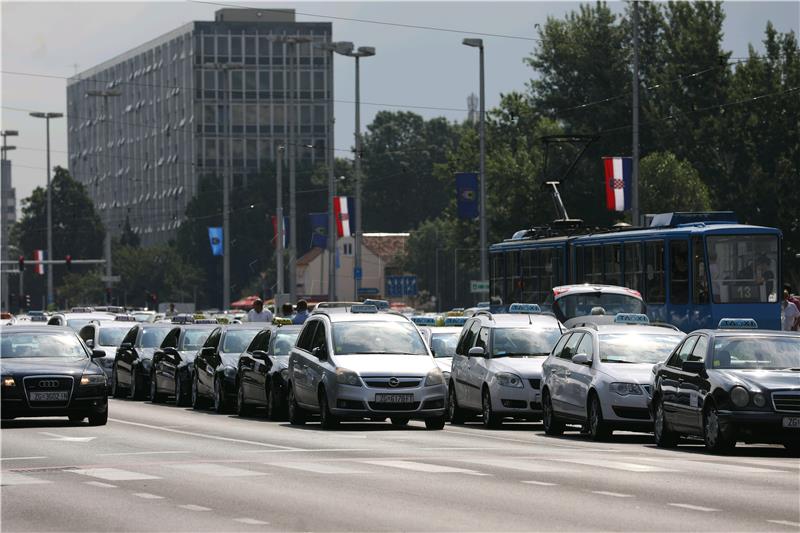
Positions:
(319, 229)
(38, 255)
(467, 195)
(215, 239)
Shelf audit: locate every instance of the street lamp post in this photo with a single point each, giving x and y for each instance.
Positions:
(363, 51)
(47, 117)
(478, 43)
(105, 95)
(279, 229)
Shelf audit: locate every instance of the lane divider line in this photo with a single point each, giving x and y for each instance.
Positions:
(612, 494)
(693, 507)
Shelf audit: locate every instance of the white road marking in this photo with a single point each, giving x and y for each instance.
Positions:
(425, 467)
(22, 458)
(11, 478)
(206, 436)
(712, 466)
(456, 449)
(318, 468)
(192, 507)
(617, 465)
(540, 483)
(785, 523)
(613, 494)
(148, 496)
(143, 453)
(517, 464)
(250, 521)
(65, 438)
(693, 507)
(112, 474)
(100, 484)
(311, 450)
(210, 469)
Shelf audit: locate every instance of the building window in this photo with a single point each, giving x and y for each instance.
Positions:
(347, 249)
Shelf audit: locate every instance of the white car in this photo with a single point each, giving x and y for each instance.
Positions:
(497, 367)
(442, 341)
(598, 375)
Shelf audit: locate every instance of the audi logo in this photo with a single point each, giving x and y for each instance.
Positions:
(48, 384)
(394, 382)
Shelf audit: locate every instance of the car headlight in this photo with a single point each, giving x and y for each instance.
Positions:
(759, 400)
(625, 389)
(506, 379)
(347, 377)
(9, 381)
(434, 377)
(739, 396)
(93, 379)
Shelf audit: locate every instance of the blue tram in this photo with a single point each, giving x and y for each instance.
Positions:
(692, 269)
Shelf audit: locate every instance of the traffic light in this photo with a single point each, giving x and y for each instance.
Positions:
(21, 263)
(68, 262)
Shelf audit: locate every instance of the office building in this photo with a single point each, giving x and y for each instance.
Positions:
(8, 217)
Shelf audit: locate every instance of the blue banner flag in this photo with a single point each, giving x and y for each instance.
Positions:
(319, 229)
(215, 238)
(467, 195)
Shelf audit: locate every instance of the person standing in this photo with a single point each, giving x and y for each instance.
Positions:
(302, 312)
(258, 313)
(789, 313)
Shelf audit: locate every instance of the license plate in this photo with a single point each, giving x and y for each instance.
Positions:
(61, 396)
(791, 422)
(394, 398)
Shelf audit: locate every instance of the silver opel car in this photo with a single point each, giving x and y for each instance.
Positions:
(357, 363)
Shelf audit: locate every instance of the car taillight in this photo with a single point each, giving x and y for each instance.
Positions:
(634, 292)
(557, 292)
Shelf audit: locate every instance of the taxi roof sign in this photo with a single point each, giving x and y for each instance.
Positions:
(423, 320)
(363, 308)
(737, 323)
(378, 304)
(455, 321)
(631, 318)
(524, 308)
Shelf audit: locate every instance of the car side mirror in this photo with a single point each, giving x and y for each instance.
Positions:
(98, 353)
(694, 367)
(582, 359)
(320, 352)
(261, 355)
(207, 350)
(477, 351)
(89, 343)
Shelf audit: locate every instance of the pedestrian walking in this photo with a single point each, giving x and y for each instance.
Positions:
(258, 313)
(302, 312)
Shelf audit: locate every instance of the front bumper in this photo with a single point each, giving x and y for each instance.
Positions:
(760, 426)
(362, 402)
(18, 407)
(524, 403)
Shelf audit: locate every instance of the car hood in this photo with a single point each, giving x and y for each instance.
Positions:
(387, 365)
(445, 364)
(628, 373)
(44, 365)
(768, 379)
(525, 367)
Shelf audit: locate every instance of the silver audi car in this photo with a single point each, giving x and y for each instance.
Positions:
(358, 363)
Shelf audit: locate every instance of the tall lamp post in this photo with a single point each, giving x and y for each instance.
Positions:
(478, 43)
(342, 47)
(363, 51)
(105, 95)
(5, 303)
(47, 117)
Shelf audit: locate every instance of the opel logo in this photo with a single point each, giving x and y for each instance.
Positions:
(394, 382)
(48, 384)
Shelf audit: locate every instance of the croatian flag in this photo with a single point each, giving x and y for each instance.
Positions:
(38, 255)
(343, 209)
(275, 231)
(619, 172)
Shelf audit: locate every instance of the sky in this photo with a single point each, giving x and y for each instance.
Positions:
(414, 69)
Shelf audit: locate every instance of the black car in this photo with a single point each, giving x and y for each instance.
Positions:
(50, 372)
(105, 337)
(730, 385)
(263, 366)
(173, 363)
(215, 367)
(132, 363)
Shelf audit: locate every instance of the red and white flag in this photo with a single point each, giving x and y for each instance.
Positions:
(38, 255)
(618, 178)
(343, 209)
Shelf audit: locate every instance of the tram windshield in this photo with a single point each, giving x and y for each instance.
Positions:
(743, 268)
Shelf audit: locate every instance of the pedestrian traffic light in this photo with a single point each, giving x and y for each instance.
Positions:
(68, 262)
(21, 263)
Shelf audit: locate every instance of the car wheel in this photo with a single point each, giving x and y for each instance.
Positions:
(155, 396)
(664, 437)
(435, 423)
(76, 419)
(399, 421)
(327, 419)
(455, 413)
(197, 401)
(717, 438)
(297, 415)
(490, 418)
(220, 405)
(180, 394)
(552, 425)
(242, 409)
(598, 428)
(98, 419)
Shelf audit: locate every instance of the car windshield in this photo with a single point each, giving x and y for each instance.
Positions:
(193, 339)
(444, 344)
(143, 317)
(14, 345)
(152, 337)
(770, 353)
(522, 342)
(636, 348)
(377, 338)
(581, 304)
(111, 336)
(237, 340)
(284, 340)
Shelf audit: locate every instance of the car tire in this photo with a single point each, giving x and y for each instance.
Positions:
(456, 415)
(116, 388)
(664, 437)
(155, 396)
(197, 400)
(552, 425)
(399, 421)
(297, 415)
(435, 423)
(242, 409)
(220, 403)
(327, 419)
(715, 437)
(180, 393)
(598, 428)
(98, 419)
(490, 419)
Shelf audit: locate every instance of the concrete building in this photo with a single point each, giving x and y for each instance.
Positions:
(169, 125)
(8, 217)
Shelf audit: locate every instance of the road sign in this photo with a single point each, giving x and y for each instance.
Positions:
(357, 273)
(368, 290)
(110, 279)
(478, 286)
(401, 285)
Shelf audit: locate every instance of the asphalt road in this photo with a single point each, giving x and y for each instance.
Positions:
(162, 468)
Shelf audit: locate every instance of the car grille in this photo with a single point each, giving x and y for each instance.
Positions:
(535, 383)
(34, 384)
(383, 406)
(383, 383)
(786, 401)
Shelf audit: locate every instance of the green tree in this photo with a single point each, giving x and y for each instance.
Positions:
(668, 184)
(84, 288)
(157, 270)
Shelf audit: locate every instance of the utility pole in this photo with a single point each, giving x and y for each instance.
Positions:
(635, 93)
(279, 231)
(107, 174)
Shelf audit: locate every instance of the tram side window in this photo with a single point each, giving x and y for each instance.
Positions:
(743, 268)
(633, 266)
(700, 288)
(497, 278)
(530, 282)
(679, 272)
(593, 264)
(654, 260)
(613, 265)
(513, 274)
(545, 274)
(577, 258)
